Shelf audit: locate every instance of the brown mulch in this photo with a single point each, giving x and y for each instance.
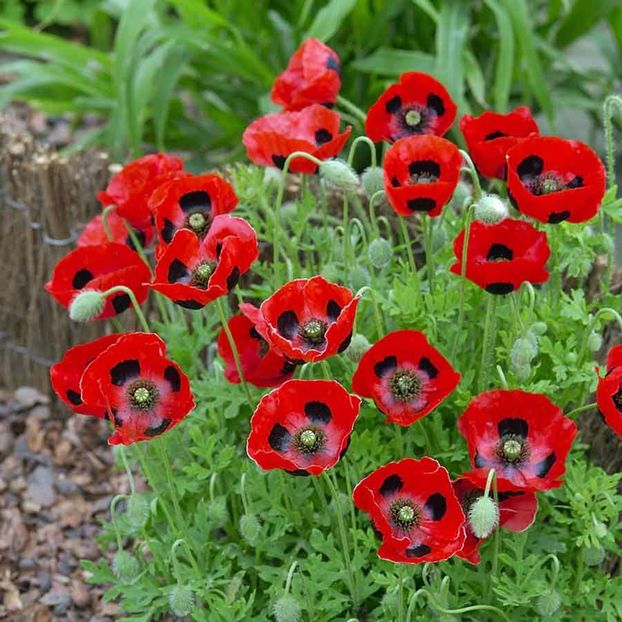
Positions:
(57, 478)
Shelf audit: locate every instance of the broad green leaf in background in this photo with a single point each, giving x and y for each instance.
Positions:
(391, 62)
(475, 78)
(504, 67)
(328, 19)
(582, 16)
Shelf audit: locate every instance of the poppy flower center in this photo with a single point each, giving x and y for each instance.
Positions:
(513, 449)
(405, 385)
(198, 222)
(142, 394)
(313, 331)
(412, 118)
(546, 183)
(202, 274)
(310, 440)
(405, 514)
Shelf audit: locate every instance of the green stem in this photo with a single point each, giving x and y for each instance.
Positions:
(346, 236)
(477, 187)
(581, 409)
(350, 107)
(171, 484)
(440, 609)
(429, 253)
(139, 313)
(193, 561)
(105, 214)
(128, 471)
(236, 355)
(610, 102)
(372, 211)
(465, 250)
(400, 595)
(372, 149)
(408, 243)
(590, 327)
(488, 347)
(113, 518)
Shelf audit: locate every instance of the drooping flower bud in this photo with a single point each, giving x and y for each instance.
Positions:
(380, 253)
(181, 601)
(137, 510)
(86, 305)
(286, 609)
(250, 528)
(217, 512)
(358, 346)
(594, 341)
(491, 209)
(125, 567)
(548, 603)
(340, 174)
(372, 179)
(483, 516)
(539, 328)
(522, 372)
(523, 351)
(593, 555)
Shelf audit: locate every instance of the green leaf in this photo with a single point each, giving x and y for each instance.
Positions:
(391, 62)
(328, 19)
(197, 15)
(583, 15)
(505, 58)
(475, 78)
(428, 8)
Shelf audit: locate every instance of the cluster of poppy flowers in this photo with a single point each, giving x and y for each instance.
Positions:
(304, 426)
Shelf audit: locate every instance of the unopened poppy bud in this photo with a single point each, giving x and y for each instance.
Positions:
(358, 346)
(181, 601)
(523, 351)
(286, 609)
(380, 253)
(217, 512)
(522, 372)
(491, 209)
(600, 529)
(86, 305)
(539, 328)
(594, 341)
(137, 510)
(372, 179)
(483, 517)
(250, 528)
(125, 567)
(339, 173)
(462, 192)
(548, 603)
(359, 277)
(593, 555)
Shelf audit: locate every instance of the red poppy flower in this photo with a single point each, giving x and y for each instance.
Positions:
(190, 202)
(523, 436)
(417, 104)
(143, 392)
(609, 391)
(503, 255)
(308, 319)
(492, 134)
(315, 130)
(552, 179)
(517, 512)
(100, 268)
(94, 232)
(413, 506)
(261, 365)
(65, 375)
(313, 76)
(132, 186)
(193, 272)
(421, 174)
(405, 376)
(303, 427)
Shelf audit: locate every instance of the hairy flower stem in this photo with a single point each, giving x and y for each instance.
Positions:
(166, 463)
(346, 237)
(234, 349)
(465, 250)
(581, 409)
(139, 313)
(592, 325)
(401, 613)
(435, 604)
(106, 212)
(429, 251)
(372, 149)
(489, 339)
(128, 471)
(408, 244)
(610, 102)
(372, 211)
(472, 171)
(276, 233)
(190, 555)
(352, 108)
(345, 550)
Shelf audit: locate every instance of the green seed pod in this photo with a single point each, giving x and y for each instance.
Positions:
(523, 352)
(181, 601)
(491, 209)
(137, 510)
(571, 358)
(380, 253)
(286, 609)
(593, 555)
(548, 603)
(359, 277)
(340, 174)
(372, 180)
(594, 341)
(86, 305)
(358, 346)
(125, 567)
(483, 516)
(250, 528)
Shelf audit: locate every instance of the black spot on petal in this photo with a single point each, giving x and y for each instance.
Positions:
(299, 473)
(233, 278)
(391, 485)
(424, 168)
(279, 438)
(425, 364)
(516, 426)
(436, 103)
(494, 135)
(499, 251)
(333, 310)
(279, 161)
(167, 231)
(322, 136)
(190, 304)
(197, 200)
(394, 105)
(121, 302)
(177, 271)
(575, 182)
(478, 461)
(158, 429)
(172, 376)
(421, 205)
(499, 288)
(124, 371)
(395, 182)
(530, 166)
(418, 551)
(436, 505)
(333, 63)
(344, 344)
(543, 467)
(386, 365)
(287, 324)
(288, 367)
(557, 217)
(318, 412)
(74, 397)
(617, 397)
(140, 237)
(81, 278)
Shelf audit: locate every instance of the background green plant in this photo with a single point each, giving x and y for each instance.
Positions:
(190, 74)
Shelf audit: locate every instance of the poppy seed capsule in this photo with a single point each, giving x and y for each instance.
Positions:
(594, 341)
(523, 352)
(286, 609)
(250, 528)
(358, 346)
(372, 179)
(181, 601)
(483, 516)
(491, 209)
(548, 603)
(340, 174)
(593, 555)
(125, 567)
(137, 510)
(87, 305)
(380, 253)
